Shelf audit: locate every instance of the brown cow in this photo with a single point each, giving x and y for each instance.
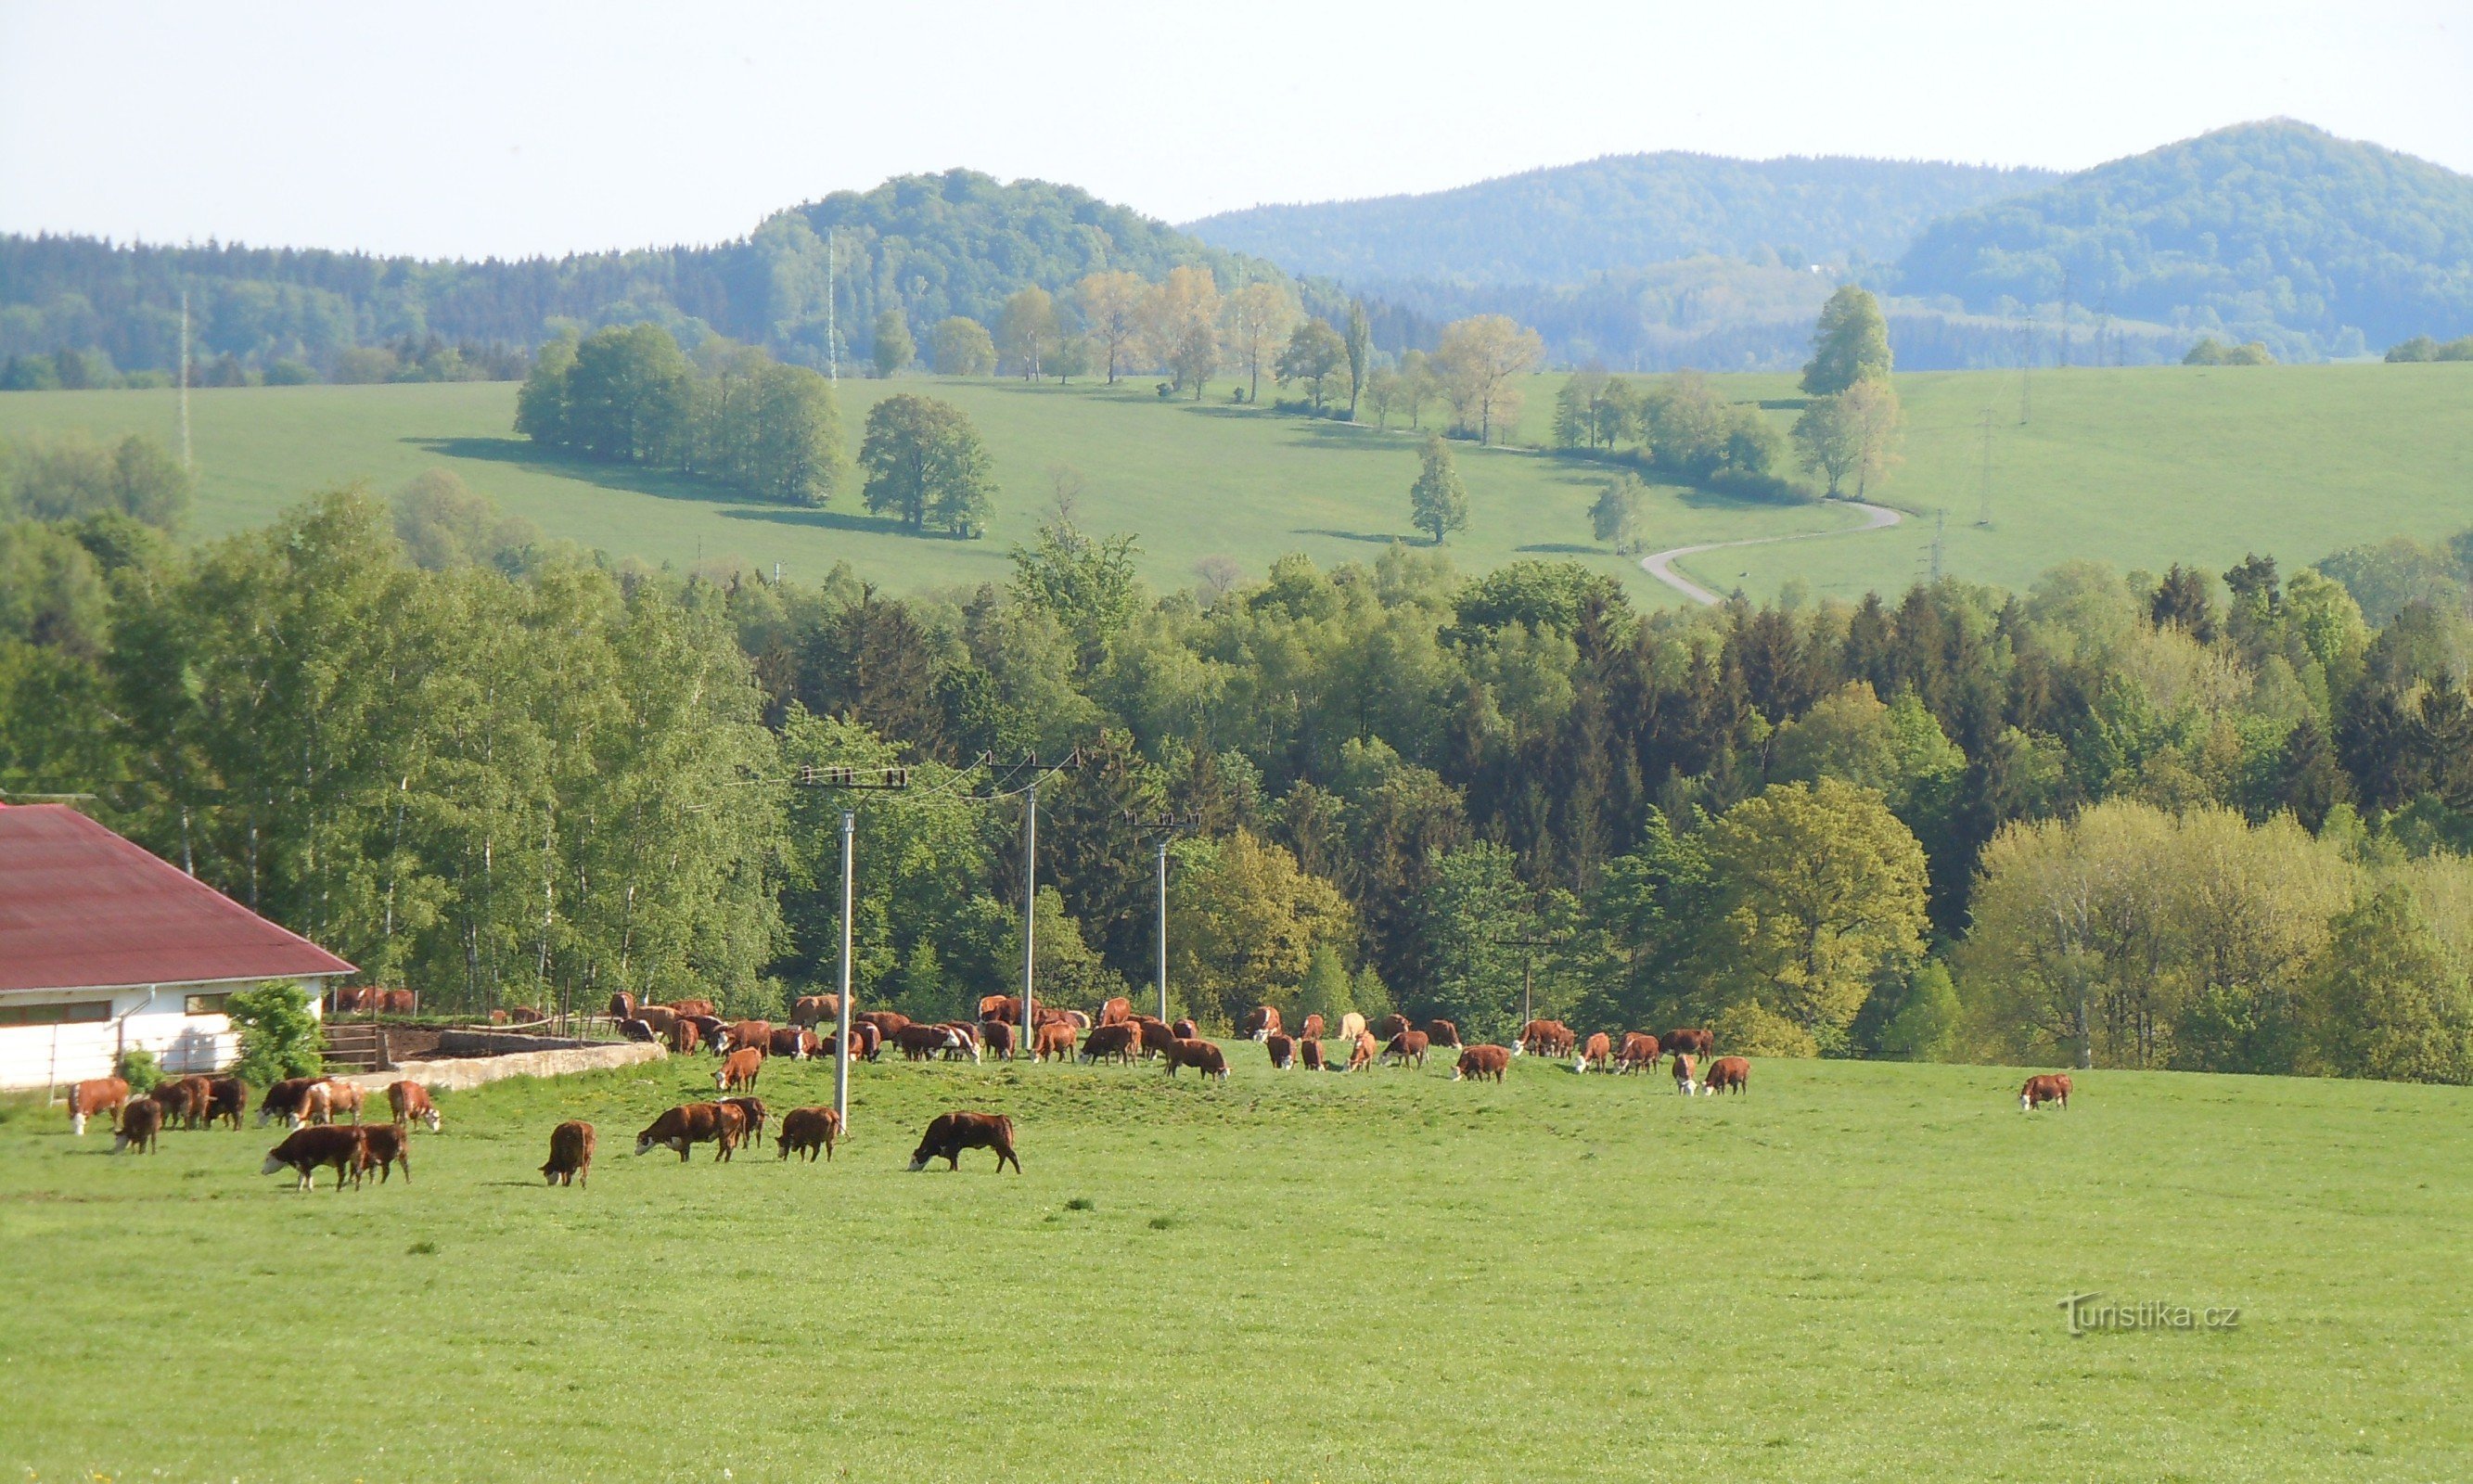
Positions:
(2053, 1088)
(1116, 1012)
(738, 1071)
(227, 1098)
(410, 1100)
(621, 1006)
(1201, 1055)
(1111, 1042)
(685, 1036)
(1283, 1049)
(350, 999)
(526, 1015)
(183, 1100)
(1640, 1049)
(806, 1129)
(1546, 1038)
(866, 1041)
(1389, 1026)
(885, 1021)
(744, 1034)
(921, 1043)
(102, 1095)
(1364, 1052)
(814, 1010)
(342, 1098)
(1182, 1029)
(282, 1100)
(400, 1002)
(1443, 1033)
(1000, 1007)
(795, 1041)
(1157, 1034)
(140, 1123)
(1351, 1026)
(966, 1039)
(1311, 1029)
(308, 1148)
(730, 1131)
(1479, 1063)
(952, 1133)
(1700, 1044)
(1595, 1054)
(1259, 1021)
(1408, 1046)
(661, 1018)
(1727, 1074)
(383, 1147)
(695, 1007)
(1055, 1039)
(997, 1036)
(317, 1105)
(1310, 1055)
(570, 1155)
(752, 1110)
(1686, 1079)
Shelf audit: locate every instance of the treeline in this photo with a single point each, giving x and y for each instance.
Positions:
(2227, 816)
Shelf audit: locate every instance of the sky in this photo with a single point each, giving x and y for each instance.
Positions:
(472, 130)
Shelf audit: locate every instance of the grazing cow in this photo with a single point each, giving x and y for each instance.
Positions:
(695, 1007)
(1259, 1021)
(688, 1123)
(400, 1002)
(730, 1131)
(1639, 1050)
(1546, 1038)
(1365, 1051)
(1283, 1049)
(317, 1105)
(342, 1097)
(867, 1041)
(1408, 1046)
(686, 1036)
(1183, 1030)
(1000, 1007)
(955, 1131)
(966, 1039)
(1443, 1033)
(1156, 1034)
(1055, 1039)
(752, 1110)
(637, 1030)
(715, 1033)
(1311, 1029)
(1479, 1063)
(1389, 1026)
(1700, 1044)
(226, 1099)
(570, 1155)
(183, 1100)
(621, 1006)
(140, 1123)
(920, 1043)
(282, 1100)
(997, 1037)
(1111, 1042)
(1079, 1019)
(2039, 1090)
(1727, 1074)
(1596, 1053)
(814, 1010)
(795, 1041)
(102, 1095)
(1686, 1082)
(1202, 1056)
(806, 1129)
(1310, 1055)
(1116, 1012)
(738, 1071)
(310, 1148)
(744, 1034)
(1351, 1026)
(885, 1021)
(661, 1018)
(410, 1100)
(383, 1147)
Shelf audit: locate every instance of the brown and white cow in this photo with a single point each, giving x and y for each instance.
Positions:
(342, 1097)
(1405, 1048)
(1639, 1050)
(383, 1147)
(1546, 1038)
(866, 1041)
(966, 1039)
(102, 1095)
(806, 1129)
(410, 1100)
(570, 1155)
(1365, 1051)
(796, 1043)
(742, 1034)
(1111, 1042)
(621, 1006)
(952, 1133)
(140, 1123)
(400, 1002)
(317, 1105)
(1116, 1012)
(661, 1018)
(887, 1022)
(1310, 1029)
(921, 1043)
(1686, 1073)
(1595, 1054)
(1310, 1055)
(1727, 1074)
(1054, 1040)
(1351, 1026)
(1259, 1021)
(2051, 1087)
(307, 1149)
(1283, 1049)
(1202, 1056)
(739, 1070)
(1479, 1063)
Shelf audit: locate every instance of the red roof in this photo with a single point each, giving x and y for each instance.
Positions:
(83, 908)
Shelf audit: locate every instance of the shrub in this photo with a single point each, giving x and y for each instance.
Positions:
(1747, 1029)
(278, 1037)
(138, 1069)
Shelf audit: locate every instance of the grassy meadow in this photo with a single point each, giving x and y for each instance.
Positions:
(2139, 468)
(1853, 1272)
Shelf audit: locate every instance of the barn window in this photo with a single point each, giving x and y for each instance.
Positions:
(58, 1013)
(206, 1004)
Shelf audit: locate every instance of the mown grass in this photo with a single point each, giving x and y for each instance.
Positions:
(1850, 1273)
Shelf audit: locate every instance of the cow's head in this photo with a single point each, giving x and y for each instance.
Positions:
(430, 1116)
(274, 1162)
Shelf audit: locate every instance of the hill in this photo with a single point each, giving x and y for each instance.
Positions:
(1411, 1275)
(1564, 224)
(2273, 230)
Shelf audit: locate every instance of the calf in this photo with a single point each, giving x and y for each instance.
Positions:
(570, 1155)
(806, 1129)
(1686, 1079)
(1408, 1046)
(866, 1041)
(1310, 1055)
(1283, 1049)
(1055, 1039)
(1261, 1022)
(1639, 1050)
(1310, 1029)
(738, 1071)
(383, 1147)
(1479, 1063)
(410, 1100)
(997, 1037)
(752, 1110)
(1727, 1074)
(317, 1105)
(920, 1043)
(1116, 1012)
(1201, 1055)
(282, 1100)
(140, 1123)
(1595, 1054)
(227, 1098)
(1111, 1042)
(955, 1131)
(1364, 1052)
(1351, 1026)
(102, 1095)
(308, 1148)
(2039, 1090)
(683, 1126)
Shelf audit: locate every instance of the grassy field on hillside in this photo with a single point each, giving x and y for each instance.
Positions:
(2139, 468)
(1854, 1271)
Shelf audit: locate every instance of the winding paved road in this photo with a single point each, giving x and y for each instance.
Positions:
(1660, 564)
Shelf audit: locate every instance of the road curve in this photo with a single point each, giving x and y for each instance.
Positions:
(1660, 564)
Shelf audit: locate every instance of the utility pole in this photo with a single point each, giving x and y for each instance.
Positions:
(846, 780)
(187, 464)
(1531, 942)
(1030, 908)
(1167, 826)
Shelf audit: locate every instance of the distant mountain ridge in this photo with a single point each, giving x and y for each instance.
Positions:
(1564, 223)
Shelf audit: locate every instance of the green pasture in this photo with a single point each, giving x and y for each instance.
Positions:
(1853, 1273)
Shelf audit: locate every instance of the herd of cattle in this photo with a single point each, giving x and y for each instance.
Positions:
(312, 1108)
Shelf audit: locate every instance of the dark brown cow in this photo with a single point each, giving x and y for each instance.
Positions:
(997, 1036)
(1639, 1050)
(1388, 1026)
(806, 1129)
(738, 1071)
(1111, 1042)
(1727, 1074)
(639, 1030)
(383, 1147)
(140, 1123)
(795, 1041)
(410, 1100)
(1408, 1046)
(1363, 1053)
(688, 1123)
(920, 1043)
(1157, 1035)
(710, 1029)
(570, 1155)
(1000, 1007)
(347, 999)
(621, 1006)
(1687, 1079)
(730, 1131)
(695, 1007)
(2052, 1087)
(1479, 1063)
(1182, 1029)
(1311, 1029)
(1283, 1049)
(1547, 1038)
(184, 1100)
(1055, 1039)
(102, 1095)
(1116, 1012)
(282, 1100)
(1442, 1034)
(1700, 1044)
(812, 1009)
(1201, 1055)
(686, 1036)
(227, 1098)
(1310, 1055)
(310, 1148)
(1595, 1054)
(752, 1110)
(955, 1131)
(1259, 1021)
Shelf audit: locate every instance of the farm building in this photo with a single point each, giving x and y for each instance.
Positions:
(105, 948)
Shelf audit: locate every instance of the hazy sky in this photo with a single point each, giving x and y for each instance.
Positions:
(516, 127)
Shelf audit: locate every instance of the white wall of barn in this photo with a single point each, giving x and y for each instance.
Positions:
(156, 1019)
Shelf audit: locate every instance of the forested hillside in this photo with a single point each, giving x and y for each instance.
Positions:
(2274, 230)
